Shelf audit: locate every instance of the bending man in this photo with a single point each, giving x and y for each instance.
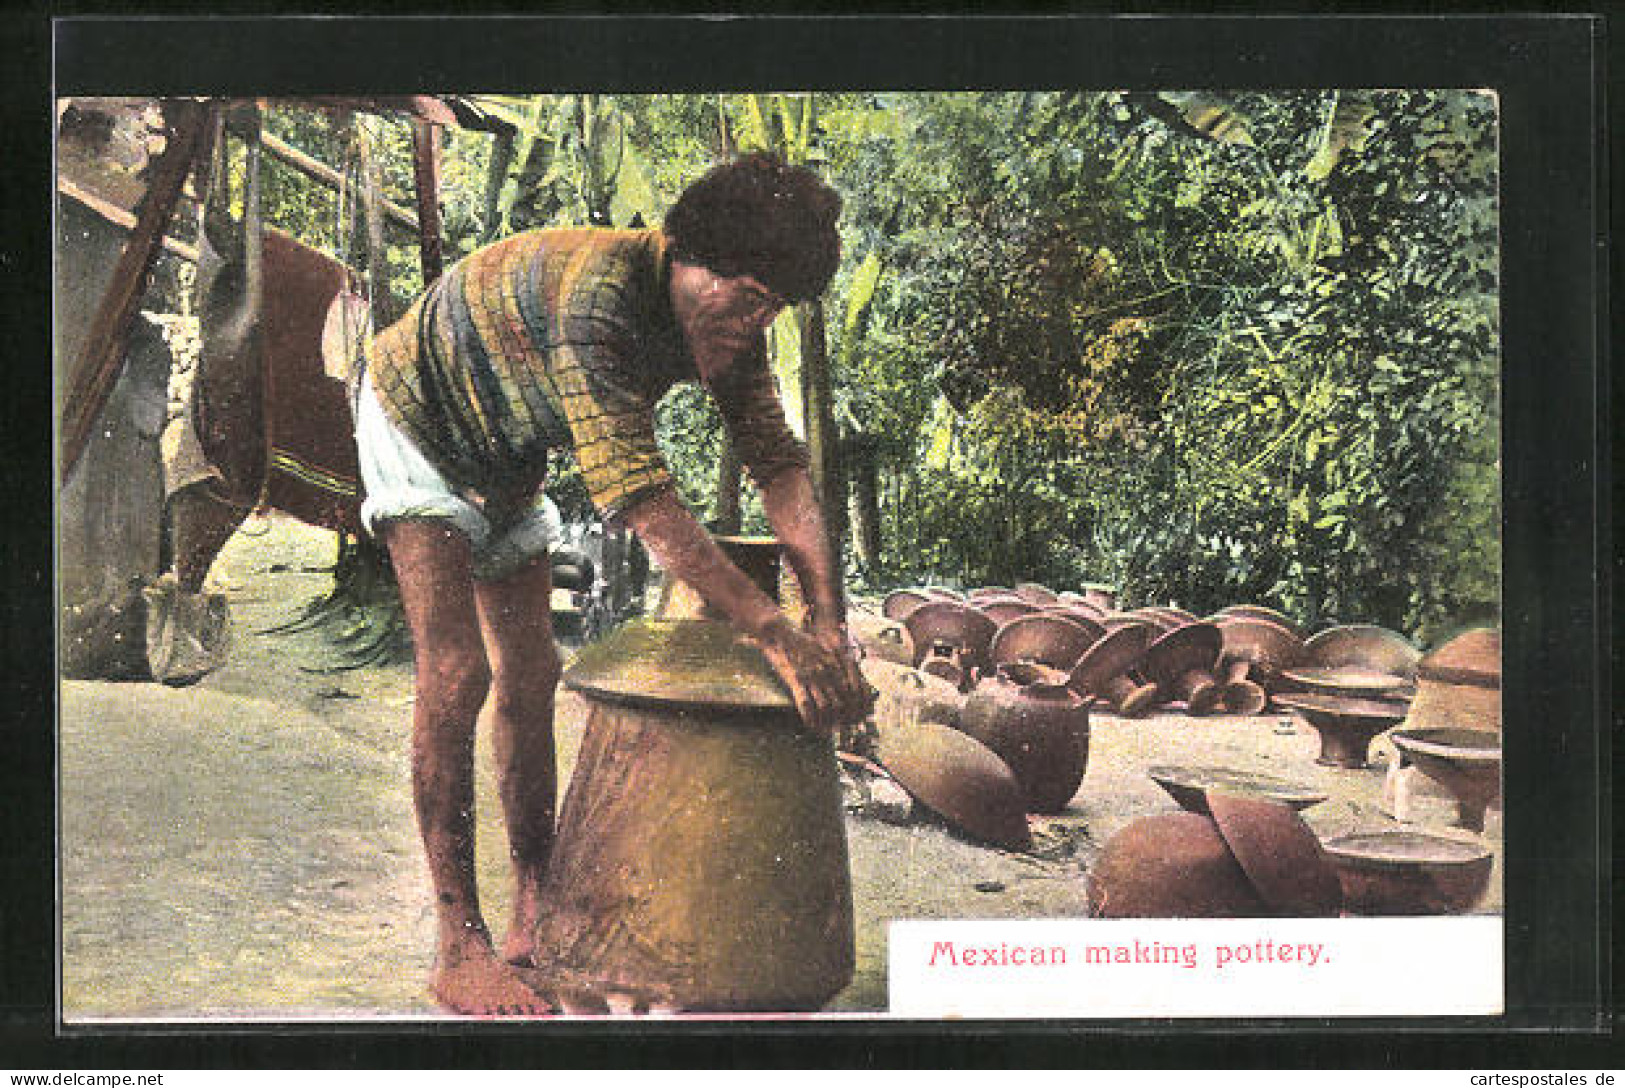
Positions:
(567, 339)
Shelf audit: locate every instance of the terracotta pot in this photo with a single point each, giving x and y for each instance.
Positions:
(961, 628)
(1044, 637)
(982, 593)
(1267, 614)
(961, 780)
(1181, 664)
(899, 603)
(1103, 670)
(1467, 762)
(1346, 725)
(1101, 595)
(694, 757)
(1242, 697)
(1280, 855)
(1348, 681)
(1459, 684)
(881, 638)
(1266, 646)
(1399, 871)
(1361, 646)
(1029, 717)
(1172, 865)
(907, 695)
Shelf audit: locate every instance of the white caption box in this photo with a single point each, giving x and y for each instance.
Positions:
(1275, 967)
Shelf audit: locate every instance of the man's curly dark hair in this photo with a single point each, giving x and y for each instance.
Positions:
(758, 217)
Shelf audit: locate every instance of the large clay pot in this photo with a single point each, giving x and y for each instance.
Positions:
(1459, 684)
(960, 779)
(701, 851)
(1036, 724)
(1171, 865)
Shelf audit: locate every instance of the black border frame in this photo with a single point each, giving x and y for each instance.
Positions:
(1548, 71)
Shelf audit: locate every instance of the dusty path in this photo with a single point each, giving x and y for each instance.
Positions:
(246, 847)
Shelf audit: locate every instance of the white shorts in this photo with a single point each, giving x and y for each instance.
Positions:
(400, 483)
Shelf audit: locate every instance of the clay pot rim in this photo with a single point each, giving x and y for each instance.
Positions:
(1347, 681)
(1430, 741)
(1035, 589)
(1315, 704)
(1197, 780)
(1354, 849)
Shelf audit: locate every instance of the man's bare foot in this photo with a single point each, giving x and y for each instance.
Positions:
(471, 980)
(519, 945)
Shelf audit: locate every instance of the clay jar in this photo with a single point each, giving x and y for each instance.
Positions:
(1038, 725)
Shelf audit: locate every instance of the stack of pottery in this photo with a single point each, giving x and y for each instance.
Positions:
(1238, 856)
(1352, 683)
(1459, 690)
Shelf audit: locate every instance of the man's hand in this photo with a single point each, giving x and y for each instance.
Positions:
(829, 691)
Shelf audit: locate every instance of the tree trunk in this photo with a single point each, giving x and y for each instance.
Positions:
(863, 474)
(818, 408)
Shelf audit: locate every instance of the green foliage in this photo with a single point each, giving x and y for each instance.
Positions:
(1207, 347)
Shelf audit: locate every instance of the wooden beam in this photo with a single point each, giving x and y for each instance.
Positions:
(102, 359)
(320, 171)
(119, 217)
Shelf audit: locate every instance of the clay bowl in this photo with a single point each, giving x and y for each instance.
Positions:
(1280, 855)
(1171, 865)
(1189, 785)
(1467, 762)
(943, 593)
(1035, 594)
(1346, 725)
(960, 779)
(1361, 646)
(1349, 681)
(952, 624)
(1399, 871)
(981, 593)
(1103, 670)
(1001, 610)
(1265, 613)
(899, 603)
(1043, 637)
(1267, 647)
(1181, 663)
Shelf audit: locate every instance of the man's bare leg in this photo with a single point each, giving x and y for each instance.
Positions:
(516, 620)
(432, 565)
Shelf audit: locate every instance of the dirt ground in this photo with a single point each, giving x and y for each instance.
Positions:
(245, 848)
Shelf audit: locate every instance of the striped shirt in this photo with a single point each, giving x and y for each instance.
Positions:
(558, 339)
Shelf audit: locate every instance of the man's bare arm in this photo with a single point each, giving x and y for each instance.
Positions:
(819, 679)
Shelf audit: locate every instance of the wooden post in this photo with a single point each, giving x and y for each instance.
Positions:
(372, 212)
(426, 174)
(103, 357)
(725, 516)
